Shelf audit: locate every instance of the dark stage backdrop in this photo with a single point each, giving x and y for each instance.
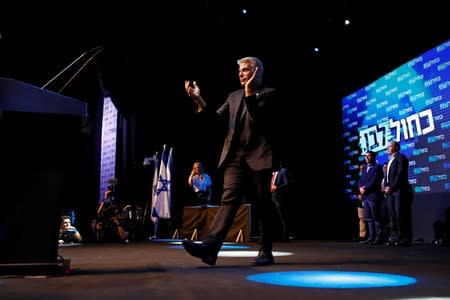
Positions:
(410, 105)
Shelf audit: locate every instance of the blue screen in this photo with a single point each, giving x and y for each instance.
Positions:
(410, 105)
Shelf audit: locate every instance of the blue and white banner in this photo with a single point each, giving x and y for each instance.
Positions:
(162, 194)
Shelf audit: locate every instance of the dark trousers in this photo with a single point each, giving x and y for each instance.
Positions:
(373, 216)
(399, 205)
(240, 182)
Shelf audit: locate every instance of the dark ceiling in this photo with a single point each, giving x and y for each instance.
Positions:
(152, 47)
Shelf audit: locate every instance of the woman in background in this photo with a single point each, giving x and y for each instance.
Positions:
(201, 183)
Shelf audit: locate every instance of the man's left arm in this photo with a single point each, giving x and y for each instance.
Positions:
(402, 173)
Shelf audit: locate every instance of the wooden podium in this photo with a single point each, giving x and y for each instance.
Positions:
(197, 219)
(41, 145)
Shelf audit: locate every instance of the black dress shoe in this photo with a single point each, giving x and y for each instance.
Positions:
(200, 250)
(264, 258)
(368, 241)
(404, 242)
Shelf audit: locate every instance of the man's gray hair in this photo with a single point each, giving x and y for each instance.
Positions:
(254, 62)
(396, 145)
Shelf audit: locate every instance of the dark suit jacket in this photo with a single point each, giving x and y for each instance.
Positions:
(398, 173)
(371, 180)
(258, 150)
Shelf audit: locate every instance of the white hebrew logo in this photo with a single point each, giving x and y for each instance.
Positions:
(375, 138)
(408, 127)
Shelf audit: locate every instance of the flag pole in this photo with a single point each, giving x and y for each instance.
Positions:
(155, 229)
(162, 193)
(149, 203)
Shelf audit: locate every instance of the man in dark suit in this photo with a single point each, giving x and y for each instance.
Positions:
(399, 196)
(370, 190)
(246, 160)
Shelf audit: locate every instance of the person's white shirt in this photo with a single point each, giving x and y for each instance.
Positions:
(391, 158)
(199, 184)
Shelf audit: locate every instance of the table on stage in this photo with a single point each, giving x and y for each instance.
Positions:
(197, 219)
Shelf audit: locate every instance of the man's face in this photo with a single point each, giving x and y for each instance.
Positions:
(390, 148)
(369, 158)
(245, 72)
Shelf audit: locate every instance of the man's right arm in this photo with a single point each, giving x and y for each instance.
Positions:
(193, 91)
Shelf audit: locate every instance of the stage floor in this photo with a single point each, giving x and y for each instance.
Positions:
(161, 269)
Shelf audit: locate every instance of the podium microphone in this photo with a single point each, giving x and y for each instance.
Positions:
(96, 48)
(95, 51)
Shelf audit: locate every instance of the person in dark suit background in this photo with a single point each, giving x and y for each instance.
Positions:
(279, 188)
(370, 190)
(362, 224)
(399, 196)
(246, 160)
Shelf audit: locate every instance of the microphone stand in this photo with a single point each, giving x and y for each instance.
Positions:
(97, 51)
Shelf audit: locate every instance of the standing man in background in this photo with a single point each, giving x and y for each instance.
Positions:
(399, 196)
(370, 190)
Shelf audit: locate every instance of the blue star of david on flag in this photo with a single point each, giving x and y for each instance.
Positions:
(163, 187)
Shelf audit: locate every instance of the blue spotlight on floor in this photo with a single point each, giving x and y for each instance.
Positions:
(332, 279)
(161, 240)
(224, 247)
